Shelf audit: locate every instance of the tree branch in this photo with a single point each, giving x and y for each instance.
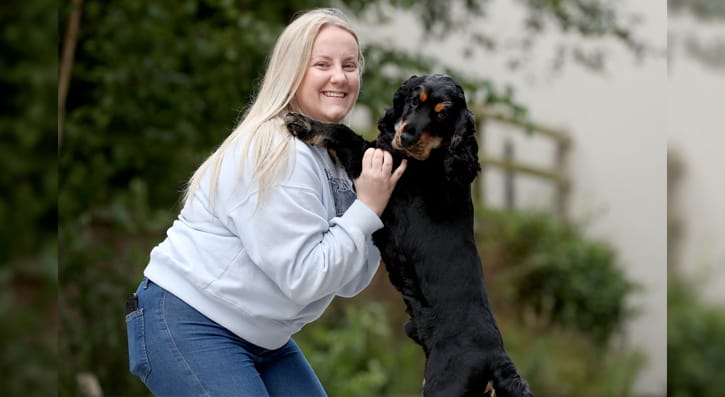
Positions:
(69, 45)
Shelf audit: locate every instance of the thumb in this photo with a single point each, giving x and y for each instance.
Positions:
(399, 171)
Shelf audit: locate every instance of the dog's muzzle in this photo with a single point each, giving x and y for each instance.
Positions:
(403, 141)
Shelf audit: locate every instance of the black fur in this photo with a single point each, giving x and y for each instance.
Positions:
(427, 243)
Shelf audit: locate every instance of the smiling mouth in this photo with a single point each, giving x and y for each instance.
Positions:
(334, 94)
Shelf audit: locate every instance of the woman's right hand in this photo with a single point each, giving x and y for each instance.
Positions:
(377, 179)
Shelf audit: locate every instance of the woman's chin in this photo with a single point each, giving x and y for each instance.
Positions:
(332, 116)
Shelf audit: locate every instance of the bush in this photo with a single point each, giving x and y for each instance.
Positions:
(567, 363)
(355, 352)
(96, 279)
(28, 211)
(695, 342)
(551, 270)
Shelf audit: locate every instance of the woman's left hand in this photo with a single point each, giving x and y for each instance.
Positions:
(377, 179)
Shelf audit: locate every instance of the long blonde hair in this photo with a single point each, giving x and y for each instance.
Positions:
(262, 127)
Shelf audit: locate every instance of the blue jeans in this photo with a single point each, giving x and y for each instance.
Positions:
(177, 351)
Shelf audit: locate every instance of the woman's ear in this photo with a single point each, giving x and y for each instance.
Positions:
(461, 164)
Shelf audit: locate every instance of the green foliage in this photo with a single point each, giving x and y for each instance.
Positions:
(27, 118)
(353, 349)
(697, 40)
(695, 341)
(567, 363)
(557, 274)
(706, 10)
(28, 331)
(155, 87)
(560, 298)
(569, 19)
(356, 343)
(28, 263)
(96, 278)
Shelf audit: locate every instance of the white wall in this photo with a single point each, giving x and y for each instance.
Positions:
(618, 163)
(696, 133)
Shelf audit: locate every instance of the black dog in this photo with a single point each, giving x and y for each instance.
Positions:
(427, 243)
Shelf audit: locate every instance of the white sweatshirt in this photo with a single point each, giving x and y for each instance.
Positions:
(263, 272)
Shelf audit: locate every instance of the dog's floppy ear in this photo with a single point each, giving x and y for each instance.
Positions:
(461, 164)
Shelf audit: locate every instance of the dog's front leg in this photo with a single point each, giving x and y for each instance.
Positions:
(344, 145)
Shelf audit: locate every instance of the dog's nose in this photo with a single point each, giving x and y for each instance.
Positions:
(407, 139)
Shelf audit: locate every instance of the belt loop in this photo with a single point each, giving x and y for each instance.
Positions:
(145, 283)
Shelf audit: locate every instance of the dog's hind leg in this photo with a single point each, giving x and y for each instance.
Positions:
(455, 375)
(506, 380)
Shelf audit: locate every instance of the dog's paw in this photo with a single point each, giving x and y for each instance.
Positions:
(298, 125)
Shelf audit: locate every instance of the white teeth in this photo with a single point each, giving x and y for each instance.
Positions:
(335, 94)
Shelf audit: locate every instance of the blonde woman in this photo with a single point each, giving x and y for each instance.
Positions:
(270, 232)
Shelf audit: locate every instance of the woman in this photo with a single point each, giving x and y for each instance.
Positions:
(271, 230)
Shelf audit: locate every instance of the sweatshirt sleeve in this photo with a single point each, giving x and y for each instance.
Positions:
(356, 286)
(289, 237)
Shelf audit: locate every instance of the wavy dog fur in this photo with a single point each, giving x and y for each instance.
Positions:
(427, 242)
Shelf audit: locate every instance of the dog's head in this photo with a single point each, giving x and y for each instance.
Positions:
(430, 115)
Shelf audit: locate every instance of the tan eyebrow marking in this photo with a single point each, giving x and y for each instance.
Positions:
(440, 106)
(423, 96)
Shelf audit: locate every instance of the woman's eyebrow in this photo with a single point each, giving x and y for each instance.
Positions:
(326, 56)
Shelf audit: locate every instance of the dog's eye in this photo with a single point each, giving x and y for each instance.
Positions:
(441, 115)
(414, 102)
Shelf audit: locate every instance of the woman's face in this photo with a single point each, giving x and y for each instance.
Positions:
(332, 81)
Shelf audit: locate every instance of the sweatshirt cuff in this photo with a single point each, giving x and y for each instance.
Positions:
(363, 217)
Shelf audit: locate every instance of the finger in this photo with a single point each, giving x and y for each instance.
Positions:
(377, 159)
(399, 171)
(387, 162)
(367, 161)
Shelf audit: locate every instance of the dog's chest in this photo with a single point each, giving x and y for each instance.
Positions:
(411, 225)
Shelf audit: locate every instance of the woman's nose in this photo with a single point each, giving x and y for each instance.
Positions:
(338, 74)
